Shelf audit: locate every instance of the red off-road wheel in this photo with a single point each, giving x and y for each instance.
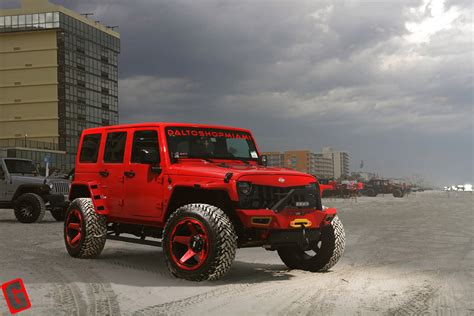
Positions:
(199, 242)
(321, 255)
(84, 229)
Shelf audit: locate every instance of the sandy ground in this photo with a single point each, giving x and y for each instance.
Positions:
(403, 256)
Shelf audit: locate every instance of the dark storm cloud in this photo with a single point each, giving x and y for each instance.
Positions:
(389, 81)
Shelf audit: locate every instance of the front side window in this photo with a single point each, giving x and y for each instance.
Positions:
(115, 147)
(23, 167)
(143, 140)
(2, 173)
(90, 148)
(193, 142)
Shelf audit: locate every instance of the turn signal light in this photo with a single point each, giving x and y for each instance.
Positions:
(261, 220)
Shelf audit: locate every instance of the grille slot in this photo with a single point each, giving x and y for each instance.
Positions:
(60, 187)
(265, 197)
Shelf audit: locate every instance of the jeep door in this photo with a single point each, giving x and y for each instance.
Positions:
(143, 175)
(112, 169)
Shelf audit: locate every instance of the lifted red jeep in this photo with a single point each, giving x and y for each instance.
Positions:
(200, 192)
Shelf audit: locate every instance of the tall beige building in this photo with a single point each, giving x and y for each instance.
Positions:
(302, 160)
(340, 160)
(58, 75)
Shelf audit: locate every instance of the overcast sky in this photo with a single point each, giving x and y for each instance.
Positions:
(390, 82)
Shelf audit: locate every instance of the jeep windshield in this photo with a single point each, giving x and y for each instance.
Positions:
(210, 143)
(21, 167)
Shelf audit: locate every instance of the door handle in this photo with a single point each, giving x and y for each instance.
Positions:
(104, 173)
(129, 174)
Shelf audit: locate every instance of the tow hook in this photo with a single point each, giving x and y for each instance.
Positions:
(300, 222)
(305, 240)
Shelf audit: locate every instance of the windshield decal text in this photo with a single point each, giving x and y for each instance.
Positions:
(207, 133)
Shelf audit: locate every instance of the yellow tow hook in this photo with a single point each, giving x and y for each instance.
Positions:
(300, 222)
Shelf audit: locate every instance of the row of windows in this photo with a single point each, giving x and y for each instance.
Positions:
(102, 87)
(30, 21)
(143, 142)
(105, 101)
(86, 31)
(90, 114)
(106, 56)
(92, 65)
(58, 20)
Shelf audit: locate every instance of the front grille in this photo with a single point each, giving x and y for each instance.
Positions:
(266, 197)
(60, 187)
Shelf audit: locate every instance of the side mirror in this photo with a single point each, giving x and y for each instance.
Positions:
(149, 156)
(263, 160)
(2, 174)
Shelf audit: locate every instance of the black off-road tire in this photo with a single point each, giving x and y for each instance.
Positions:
(328, 250)
(59, 214)
(371, 193)
(93, 230)
(397, 193)
(222, 241)
(29, 208)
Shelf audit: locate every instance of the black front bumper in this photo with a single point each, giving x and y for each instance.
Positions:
(300, 237)
(56, 200)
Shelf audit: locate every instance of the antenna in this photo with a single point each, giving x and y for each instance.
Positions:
(87, 14)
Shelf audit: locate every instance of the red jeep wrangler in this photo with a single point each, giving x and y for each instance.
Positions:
(200, 192)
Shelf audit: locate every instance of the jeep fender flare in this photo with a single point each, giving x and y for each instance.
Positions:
(90, 190)
(209, 193)
(40, 189)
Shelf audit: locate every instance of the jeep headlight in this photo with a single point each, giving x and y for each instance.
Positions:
(244, 187)
(50, 185)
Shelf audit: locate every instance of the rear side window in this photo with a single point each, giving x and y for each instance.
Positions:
(90, 148)
(115, 147)
(147, 140)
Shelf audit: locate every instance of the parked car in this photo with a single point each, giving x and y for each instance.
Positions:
(28, 193)
(200, 192)
(383, 186)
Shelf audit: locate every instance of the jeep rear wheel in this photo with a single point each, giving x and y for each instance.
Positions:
(371, 193)
(321, 255)
(199, 242)
(84, 230)
(397, 193)
(29, 208)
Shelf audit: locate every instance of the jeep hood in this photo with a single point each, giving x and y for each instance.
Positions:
(27, 179)
(240, 172)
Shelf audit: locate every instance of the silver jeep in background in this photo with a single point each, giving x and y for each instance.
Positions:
(28, 193)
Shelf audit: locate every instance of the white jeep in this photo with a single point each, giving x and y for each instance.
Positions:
(28, 193)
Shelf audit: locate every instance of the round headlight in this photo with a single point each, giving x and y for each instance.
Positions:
(244, 187)
(51, 186)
